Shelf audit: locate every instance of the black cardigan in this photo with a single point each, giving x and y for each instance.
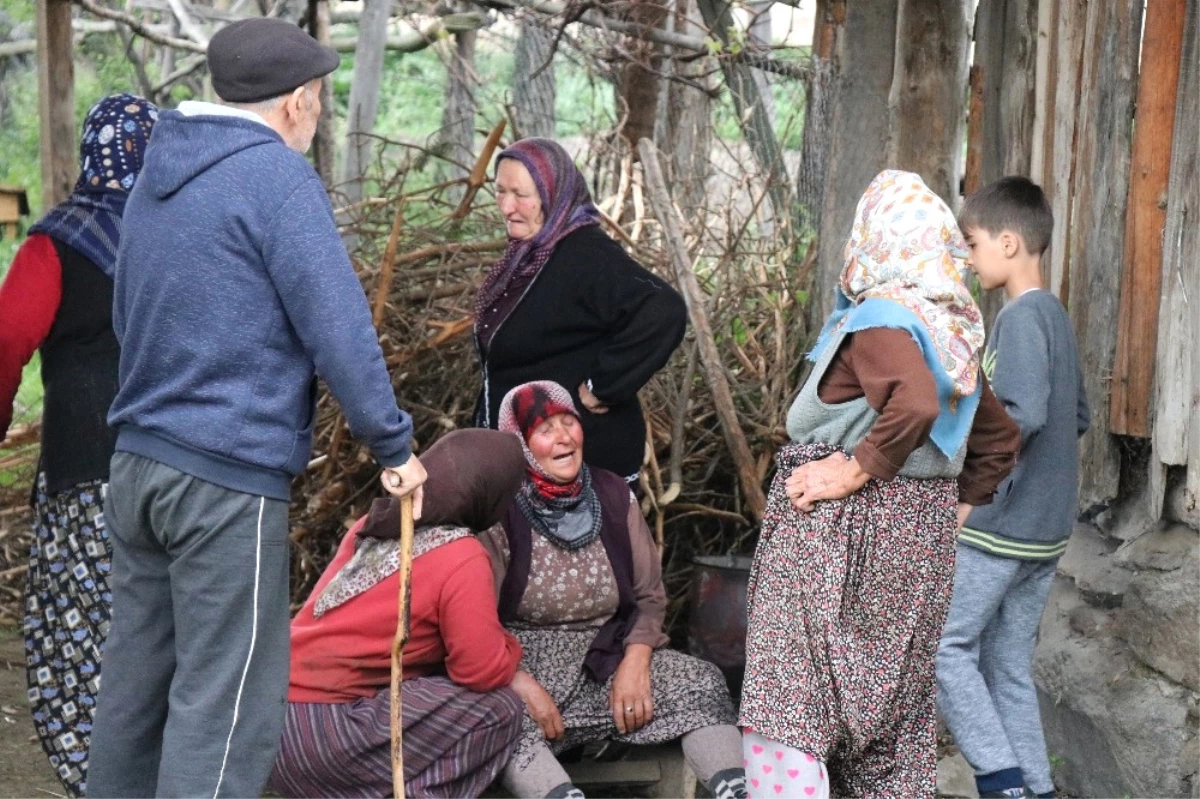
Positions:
(592, 313)
(80, 357)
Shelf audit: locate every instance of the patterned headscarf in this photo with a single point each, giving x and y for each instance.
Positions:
(566, 207)
(115, 133)
(566, 514)
(906, 247)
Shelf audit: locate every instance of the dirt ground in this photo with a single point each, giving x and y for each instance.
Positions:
(24, 769)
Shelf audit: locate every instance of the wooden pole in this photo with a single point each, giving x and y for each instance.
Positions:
(714, 371)
(56, 100)
(1141, 279)
(364, 94)
(323, 144)
(406, 558)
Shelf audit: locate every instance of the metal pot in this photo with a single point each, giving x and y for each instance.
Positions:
(717, 613)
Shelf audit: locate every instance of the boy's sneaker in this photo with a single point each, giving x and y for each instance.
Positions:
(1007, 793)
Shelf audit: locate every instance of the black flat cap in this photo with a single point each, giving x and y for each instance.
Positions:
(257, 59)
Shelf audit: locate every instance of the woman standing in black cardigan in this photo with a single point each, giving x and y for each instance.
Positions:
(566, 303)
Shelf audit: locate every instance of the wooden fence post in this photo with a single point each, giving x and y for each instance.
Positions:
(56, 100)
(1141, 279)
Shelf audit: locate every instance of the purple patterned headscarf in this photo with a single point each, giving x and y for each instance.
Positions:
(566, 206)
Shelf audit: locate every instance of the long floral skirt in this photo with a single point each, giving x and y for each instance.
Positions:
(67, 611)
(688, 693)
(846, 606)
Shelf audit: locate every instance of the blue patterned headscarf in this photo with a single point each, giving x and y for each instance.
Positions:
(115, 133)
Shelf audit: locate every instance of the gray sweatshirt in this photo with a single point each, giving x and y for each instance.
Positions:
(1033, 366)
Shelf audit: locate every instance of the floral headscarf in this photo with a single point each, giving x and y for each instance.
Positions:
(905, 268)
(568, 514)
(566, 206)
(906, 247)
(115, 134)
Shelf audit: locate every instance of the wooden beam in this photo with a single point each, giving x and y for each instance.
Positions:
(1176, 436)
(1066, 58)
(1005, 67)
(1141, 282)
(324, 147)
(364, 95)
(56, 100)
(1103, 143)
(857, 143)
(929, 83)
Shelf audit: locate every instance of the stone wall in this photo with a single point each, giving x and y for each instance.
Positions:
(1118, 663)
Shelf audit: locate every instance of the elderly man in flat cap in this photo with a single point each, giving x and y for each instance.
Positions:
(233, 291)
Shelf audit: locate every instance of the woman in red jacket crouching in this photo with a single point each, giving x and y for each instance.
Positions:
(461, 720)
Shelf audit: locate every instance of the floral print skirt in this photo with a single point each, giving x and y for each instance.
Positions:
(846, 607)
(688, 693)
(67, 611)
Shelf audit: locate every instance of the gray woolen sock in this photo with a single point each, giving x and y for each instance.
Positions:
(712, 749)
(541, 776)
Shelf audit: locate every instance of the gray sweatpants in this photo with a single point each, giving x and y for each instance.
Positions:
(984, 664)
(194, 685)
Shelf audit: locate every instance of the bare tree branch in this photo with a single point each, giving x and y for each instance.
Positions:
(595, 19)
(187, 24)
(141, 29)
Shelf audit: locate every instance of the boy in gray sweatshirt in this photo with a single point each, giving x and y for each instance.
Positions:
(1007, 551)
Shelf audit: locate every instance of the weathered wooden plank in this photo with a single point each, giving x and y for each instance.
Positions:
(1176, 438)
(1006, 47)
(56, 100)
(364, 94)
(1095, 231)
(323, 148)
(1043, 88)
(1067, 54)
(929, 81)
(1141, 283)
(1006, 61)
(857, 139)
(973, 168)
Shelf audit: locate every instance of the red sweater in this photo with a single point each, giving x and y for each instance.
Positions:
(454, 629)
(29, 302)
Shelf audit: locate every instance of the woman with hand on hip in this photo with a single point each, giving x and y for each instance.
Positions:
(566, 303)
(895, 435)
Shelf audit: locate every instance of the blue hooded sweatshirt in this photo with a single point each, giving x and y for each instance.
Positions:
(233, 290)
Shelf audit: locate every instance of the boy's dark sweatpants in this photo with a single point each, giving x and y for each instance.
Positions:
(195, 674)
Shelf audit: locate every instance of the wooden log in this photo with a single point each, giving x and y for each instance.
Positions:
(1006, 56)
(858, 141)
(1176, 438)
(1065, 66)
(1043, 86)
(973, 169)
(20, 436)
(324, 149)
(1141, 280)
(929, 81)
(364, 94)
(714, 370)
(1101, 188)
(56, 100)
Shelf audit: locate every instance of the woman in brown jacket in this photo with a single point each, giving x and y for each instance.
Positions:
(895, 436)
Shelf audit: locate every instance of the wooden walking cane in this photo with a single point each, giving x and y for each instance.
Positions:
(406, 559)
